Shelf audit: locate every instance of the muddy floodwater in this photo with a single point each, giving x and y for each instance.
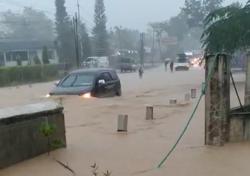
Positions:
(91, 126)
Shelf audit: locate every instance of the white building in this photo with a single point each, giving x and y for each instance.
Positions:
(26, 51)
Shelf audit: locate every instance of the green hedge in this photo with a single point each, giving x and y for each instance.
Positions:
(10, 76)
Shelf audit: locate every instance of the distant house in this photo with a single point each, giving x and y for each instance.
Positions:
(26, 51)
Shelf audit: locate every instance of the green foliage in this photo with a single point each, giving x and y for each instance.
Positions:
(27, 74)
(197, 10)
(194, 10)
(47, 129)
(227, 29)
(65, 38)
(45, 55)
(37, 60)
(85, 41)
(19, 62)
(100, 34)
(55, 144)
(29, 25)
(177, 26)
(124, 38)
(211, 5)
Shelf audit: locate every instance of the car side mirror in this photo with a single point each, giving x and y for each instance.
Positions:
(57, 83)
(101, 82)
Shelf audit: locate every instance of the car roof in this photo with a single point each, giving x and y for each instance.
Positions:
(92, 70)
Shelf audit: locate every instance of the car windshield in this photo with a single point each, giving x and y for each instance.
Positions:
(182, 58)
(78, 80)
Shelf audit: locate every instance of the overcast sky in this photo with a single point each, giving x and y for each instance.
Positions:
(134, 14)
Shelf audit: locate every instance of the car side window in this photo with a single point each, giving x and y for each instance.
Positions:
(68, 82)
(106, 76)
(114, 75)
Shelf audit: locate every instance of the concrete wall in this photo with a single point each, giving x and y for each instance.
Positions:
(20, 136)
(240, 124)
(239, 129)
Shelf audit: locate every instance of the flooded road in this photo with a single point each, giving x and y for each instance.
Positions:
(92, 137)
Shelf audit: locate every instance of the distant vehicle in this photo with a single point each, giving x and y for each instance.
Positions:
(89, 83)
(96, 62)
(90, 62)
(195, 62)
(103, 62)
(127, 64)
(181, 63)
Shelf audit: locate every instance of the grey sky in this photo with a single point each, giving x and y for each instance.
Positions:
(134, 14)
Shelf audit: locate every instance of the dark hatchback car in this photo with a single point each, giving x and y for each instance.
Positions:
(90, 82)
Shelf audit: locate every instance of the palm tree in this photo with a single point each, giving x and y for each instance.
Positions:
(227, 29)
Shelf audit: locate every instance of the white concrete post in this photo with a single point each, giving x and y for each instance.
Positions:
(149, 113)
(122, 125)
(187, 97)
(193, 93)
(173, 101)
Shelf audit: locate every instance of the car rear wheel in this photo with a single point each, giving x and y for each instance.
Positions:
(119, 92)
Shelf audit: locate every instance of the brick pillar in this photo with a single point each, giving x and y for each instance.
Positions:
(247, 89)
(217, 101)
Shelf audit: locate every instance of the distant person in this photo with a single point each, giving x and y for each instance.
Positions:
(141, 71)
(166, 62)
(172, 66)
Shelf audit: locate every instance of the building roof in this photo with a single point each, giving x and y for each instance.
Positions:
(92, 70)
(24, 45)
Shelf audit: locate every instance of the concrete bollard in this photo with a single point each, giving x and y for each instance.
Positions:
(149, 113)
(122, 123)
(173, 101)
(193, 93)
(187, 97)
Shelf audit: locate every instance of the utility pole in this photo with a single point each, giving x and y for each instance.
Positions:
(142, 51)
(79, 36)
(76, 38)
(78, 10)
(153, 47)
(159, 42)
(119, 37)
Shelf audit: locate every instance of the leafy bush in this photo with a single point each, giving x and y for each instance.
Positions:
(27, 74)
(37, 60)
(45, 55)
(48, 130)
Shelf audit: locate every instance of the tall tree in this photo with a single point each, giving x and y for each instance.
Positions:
(197, 10)
(211, 5)
(177, 26)
(99, 31)
(124, 38)
(85, 41)
(227, 29)
(65, 39)
(45, 55)
(194, 12)
(29, 25)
